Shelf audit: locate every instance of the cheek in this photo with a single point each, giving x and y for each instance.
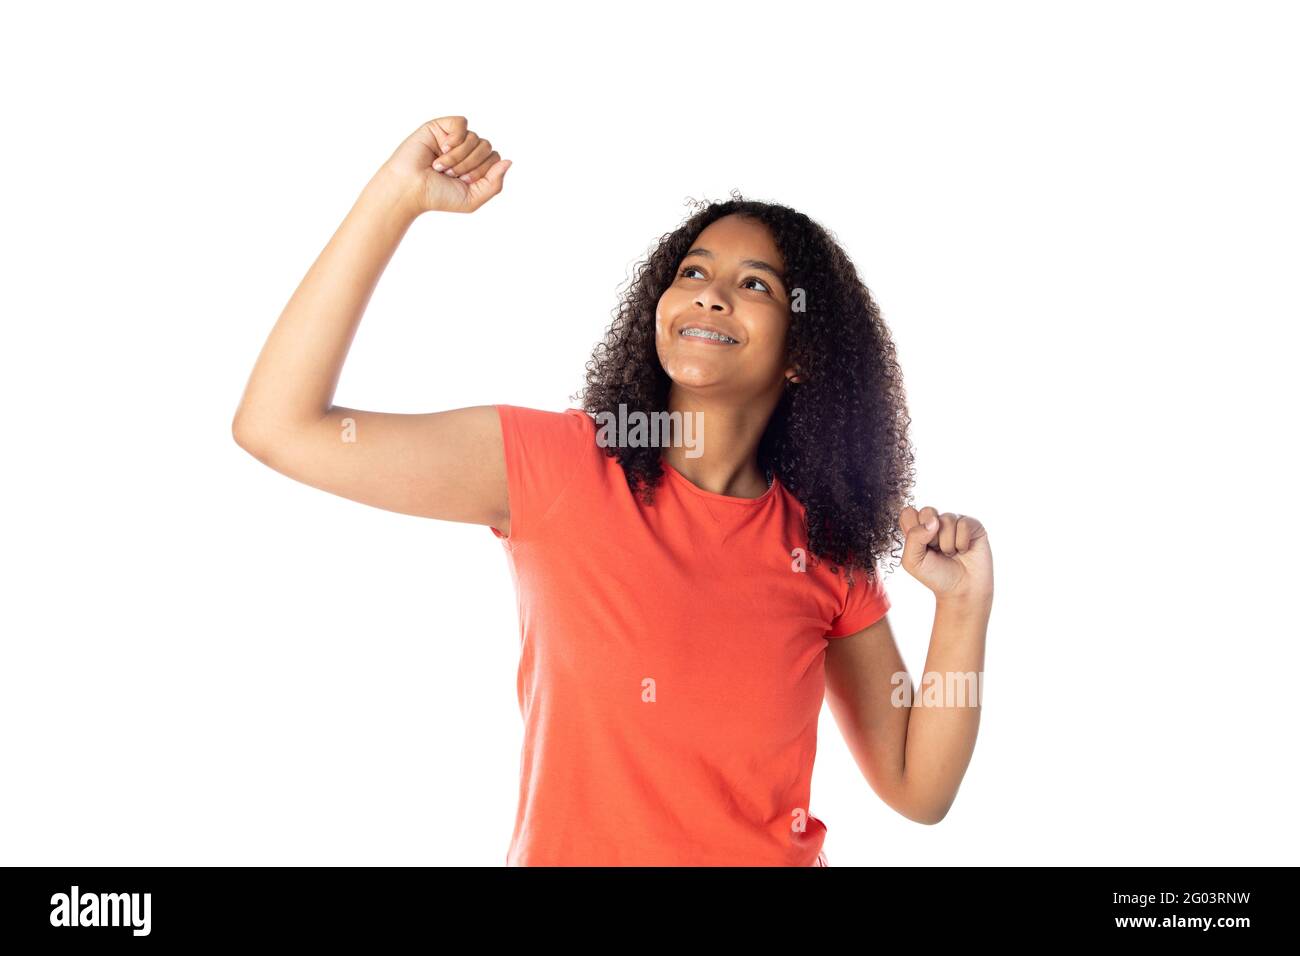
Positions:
(669, 305)
(768, 334)
(671, 299)
(770, 353)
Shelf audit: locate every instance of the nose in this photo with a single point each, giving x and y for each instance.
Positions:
(709, 299)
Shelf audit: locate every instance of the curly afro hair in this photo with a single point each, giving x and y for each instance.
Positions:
(838, 439)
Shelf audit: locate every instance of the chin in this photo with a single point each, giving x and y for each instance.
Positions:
(701, 383)
(693, 376)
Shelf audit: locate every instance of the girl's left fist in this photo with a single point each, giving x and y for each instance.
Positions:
(948, 553)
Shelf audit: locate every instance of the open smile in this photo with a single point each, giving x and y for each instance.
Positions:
(706, 336)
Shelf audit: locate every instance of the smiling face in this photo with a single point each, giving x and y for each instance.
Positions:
(730, 282)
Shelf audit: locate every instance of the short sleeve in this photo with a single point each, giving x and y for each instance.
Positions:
(542, 452)
(865, 604)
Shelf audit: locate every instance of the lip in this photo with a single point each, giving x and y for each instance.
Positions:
(707, 328)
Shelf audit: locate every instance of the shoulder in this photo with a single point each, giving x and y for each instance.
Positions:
(569, 418)
(546, 453)
(862, 604)
(540, 430)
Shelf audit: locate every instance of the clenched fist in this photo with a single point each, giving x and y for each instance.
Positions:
(447, 167)
(948, 553)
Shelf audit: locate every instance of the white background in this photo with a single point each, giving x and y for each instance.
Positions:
(1080, 222)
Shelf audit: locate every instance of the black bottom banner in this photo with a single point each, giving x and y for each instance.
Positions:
(380, 906)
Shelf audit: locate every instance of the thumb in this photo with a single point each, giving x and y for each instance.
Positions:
(918, 537)
(487, 187)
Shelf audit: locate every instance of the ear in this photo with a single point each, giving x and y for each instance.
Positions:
(792, 377)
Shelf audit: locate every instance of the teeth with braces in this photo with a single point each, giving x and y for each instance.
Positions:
(706, 334)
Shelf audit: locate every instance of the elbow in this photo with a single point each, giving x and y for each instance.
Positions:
(931, 819)
(247, 438)
(926, 812)
(267, 436)
(925, 817)
(240, 433)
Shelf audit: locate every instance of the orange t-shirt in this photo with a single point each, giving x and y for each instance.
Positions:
(671, 665)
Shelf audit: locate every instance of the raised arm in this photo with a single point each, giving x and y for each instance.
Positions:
(447, 464)
(914, 747)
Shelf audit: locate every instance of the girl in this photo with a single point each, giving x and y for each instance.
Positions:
(684, 607)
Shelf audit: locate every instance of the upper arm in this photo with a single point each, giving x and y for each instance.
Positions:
(448, 465)
(860, 691)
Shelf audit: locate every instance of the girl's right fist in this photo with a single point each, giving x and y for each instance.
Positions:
(447, 167)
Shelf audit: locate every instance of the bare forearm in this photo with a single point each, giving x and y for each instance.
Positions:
(294, 378)
(944, 718)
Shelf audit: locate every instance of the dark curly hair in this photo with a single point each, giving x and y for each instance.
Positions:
(838, 439)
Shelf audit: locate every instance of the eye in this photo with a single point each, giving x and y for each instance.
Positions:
(682, 274)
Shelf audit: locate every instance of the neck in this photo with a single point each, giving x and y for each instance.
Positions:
(730, 433)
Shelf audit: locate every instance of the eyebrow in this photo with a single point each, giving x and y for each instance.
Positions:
(745, 263)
